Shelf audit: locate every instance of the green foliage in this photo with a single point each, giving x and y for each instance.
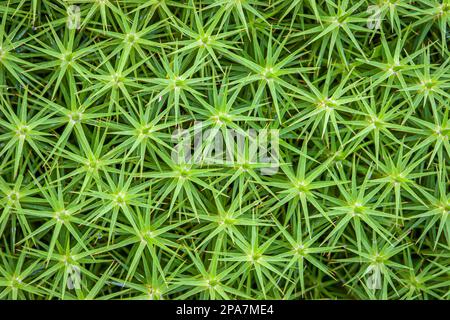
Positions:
(87, 181)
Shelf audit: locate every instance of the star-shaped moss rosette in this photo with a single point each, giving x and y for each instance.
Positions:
(95, 95)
